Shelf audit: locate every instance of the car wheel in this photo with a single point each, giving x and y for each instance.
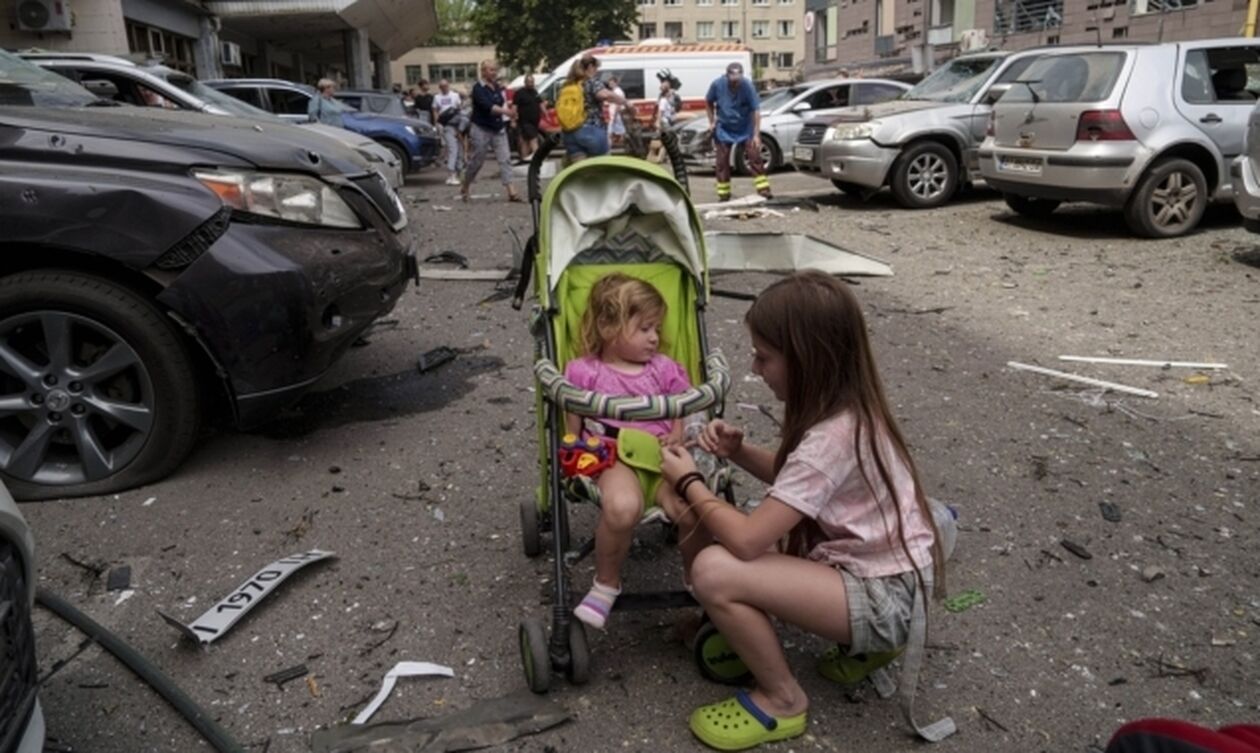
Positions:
(97, 387)
(925, 176)
(1169, 200)
(771, 157)
(850, 189)
(1030, 206)
(399, 153)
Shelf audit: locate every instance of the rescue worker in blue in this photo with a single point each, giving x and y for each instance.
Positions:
(735, 118)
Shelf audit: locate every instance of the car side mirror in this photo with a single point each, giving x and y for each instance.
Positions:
(995, 93)
(101, 88)
(802, 107)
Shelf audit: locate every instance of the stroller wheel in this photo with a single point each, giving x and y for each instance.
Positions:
(579, 669)
(534, 657)
(715, 659)
(530, 536)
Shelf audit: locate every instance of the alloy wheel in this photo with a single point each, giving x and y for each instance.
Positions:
(1173, 200)
(927, 176)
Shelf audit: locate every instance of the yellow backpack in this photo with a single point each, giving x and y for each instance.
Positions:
(571, 107)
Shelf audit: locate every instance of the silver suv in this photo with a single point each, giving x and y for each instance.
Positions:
(1150, 129)
(1246, 173)
(923, 144)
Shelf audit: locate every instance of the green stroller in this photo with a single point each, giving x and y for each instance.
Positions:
(602, 215)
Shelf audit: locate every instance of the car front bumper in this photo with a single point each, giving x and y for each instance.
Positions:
(1246, 192)
(1102, 173)
(858, 161)
(423, 151)
(275, 306)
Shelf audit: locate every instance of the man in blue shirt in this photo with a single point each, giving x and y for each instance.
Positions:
(491, 112)
(735, 118)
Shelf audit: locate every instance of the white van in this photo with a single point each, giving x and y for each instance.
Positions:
(636, 66)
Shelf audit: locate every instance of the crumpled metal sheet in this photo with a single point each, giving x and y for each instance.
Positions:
(486, 723)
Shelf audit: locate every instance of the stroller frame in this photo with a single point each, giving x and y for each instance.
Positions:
(567, 650)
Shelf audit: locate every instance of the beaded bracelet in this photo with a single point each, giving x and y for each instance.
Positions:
(680, 486)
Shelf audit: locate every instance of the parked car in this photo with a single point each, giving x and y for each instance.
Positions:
(21, 718)
(1245, 171)
(372, 101)
(923, 144)
(164, 87)
(783, 113)
(1150, 129)
(158, 267)
(415, 143)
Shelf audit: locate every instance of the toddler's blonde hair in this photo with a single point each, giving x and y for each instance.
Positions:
(615, 300)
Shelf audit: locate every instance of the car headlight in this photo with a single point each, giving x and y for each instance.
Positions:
(412, 130)
(369, 155)
(283, 196)
(849, 132)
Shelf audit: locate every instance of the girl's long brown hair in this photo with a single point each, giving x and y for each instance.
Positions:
(816, 323)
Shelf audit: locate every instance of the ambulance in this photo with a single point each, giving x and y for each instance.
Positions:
(636, 67)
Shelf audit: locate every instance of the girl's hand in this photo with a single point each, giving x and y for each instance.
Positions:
(675, 509)
(721, 439)
(675, 463)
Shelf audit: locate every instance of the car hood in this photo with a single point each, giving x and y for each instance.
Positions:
(273, 146)
(885, 109)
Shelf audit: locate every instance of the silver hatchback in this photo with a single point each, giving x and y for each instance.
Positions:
(1105, 126)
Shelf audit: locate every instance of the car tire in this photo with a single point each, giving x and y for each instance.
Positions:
(1030, 206)
(1169, 199)
(925, 176)
(396, 149)
(852, 190)
(106, 396)
(771, 157)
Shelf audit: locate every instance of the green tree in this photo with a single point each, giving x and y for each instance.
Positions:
(528, 33)
(454, 25)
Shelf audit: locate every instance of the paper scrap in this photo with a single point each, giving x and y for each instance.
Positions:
(401, 669)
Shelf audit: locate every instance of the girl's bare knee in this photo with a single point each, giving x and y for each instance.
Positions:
(621, 510)
(711, 570)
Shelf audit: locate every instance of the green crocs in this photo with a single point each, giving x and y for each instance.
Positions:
(738, 724)
(840, 668)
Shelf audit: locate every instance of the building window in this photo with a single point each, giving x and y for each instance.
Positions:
(1138, 7)
(786, 59)
(787, 29)
(786, 2)
(171, 49)
(672, 3)
(730, 29)
(1014, 16)
(760, 2)
(761, 61)
(456, 73)
(730, 2)
(647, 2)
(704, 2)
(414, 74)
(760, 29)
(704, 29)
(674, 29)
(647, 31)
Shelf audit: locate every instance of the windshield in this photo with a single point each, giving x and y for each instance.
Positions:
(780, 97)
(215, 97)
(957, 82)
(23, 83)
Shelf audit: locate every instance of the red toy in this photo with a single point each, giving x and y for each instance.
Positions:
(587, 458)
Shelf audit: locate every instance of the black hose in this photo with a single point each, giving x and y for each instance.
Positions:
(669, 140)
(144, 669)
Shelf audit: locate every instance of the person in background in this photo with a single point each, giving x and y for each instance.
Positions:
(616, 126)
(665, 116)
(591, 139)
(422, 100)
(528, 114)
(445, 111)
(491, 113)
(325, 108)
(735, 118)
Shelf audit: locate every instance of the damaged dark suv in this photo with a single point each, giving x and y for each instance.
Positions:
(156, 265)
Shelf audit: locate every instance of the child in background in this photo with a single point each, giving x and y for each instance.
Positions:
(861, 549)
(620, 340)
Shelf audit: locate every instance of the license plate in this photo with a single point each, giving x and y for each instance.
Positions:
(1020, 165)
(803, 153)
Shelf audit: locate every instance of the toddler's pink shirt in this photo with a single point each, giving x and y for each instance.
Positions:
(660, 376)
(821, 480)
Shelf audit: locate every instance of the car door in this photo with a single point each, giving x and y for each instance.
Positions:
(874, 93)
(822, 101)
(983, 105)
(251, 95)
(291, 104)
(1217, 91)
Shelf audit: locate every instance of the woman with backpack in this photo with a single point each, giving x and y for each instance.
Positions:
(579, 108)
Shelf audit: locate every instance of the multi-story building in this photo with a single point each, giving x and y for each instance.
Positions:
(880, 36)
(772, 29)
(457, 63)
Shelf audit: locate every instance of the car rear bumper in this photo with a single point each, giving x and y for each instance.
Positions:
(275, 306)
(859, 161)
(1246, 191)
(1101, 175)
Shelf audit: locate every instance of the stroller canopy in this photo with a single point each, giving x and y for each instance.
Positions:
(616, 203)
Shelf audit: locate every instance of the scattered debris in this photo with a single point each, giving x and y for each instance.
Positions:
(432, 359)
(441, 208)
(1110, 512)
(148, 502)
(487, 723)
(1113, 386)
(95, 568)
(1198, 379)
(286, 675)
(119, 579)
(373, 646)
(1152, 573)
(312, 687)
(487, 275)
(745, 213)
(401, 669)
(1144, 362)
(1176, 669)
(787, 252)
(917, 312)
(304, 525)
(1076, 549)
(220, 618)
(1223, 642)
(965, 600)
(989, 718)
